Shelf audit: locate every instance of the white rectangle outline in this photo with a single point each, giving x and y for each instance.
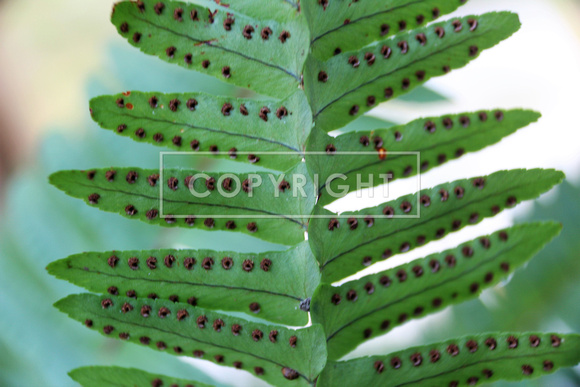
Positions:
(301, 216)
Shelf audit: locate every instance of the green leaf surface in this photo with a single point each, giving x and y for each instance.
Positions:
(348, 25)
(189, 122)
(371, 306)
(471, 360)
(262, 48)
(432, 214)
(126, 377)
(347, 85)
(135, 194)
(437, 139)
(184, 330)
(256, 284)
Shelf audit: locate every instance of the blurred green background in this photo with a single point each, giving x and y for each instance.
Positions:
(55, 55)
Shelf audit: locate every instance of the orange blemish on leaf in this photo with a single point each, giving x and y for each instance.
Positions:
(129, 106)
(127, 93)
(382, 153)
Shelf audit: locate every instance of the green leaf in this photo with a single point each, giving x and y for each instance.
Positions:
(135, 194)
(471, 360)
(262, 47)
(347, 85)
(371, 306)
(125, 377)
(346, 25)
(184, 330)
(437, 139)
(199, 122)
(256, 284)
(433, 213)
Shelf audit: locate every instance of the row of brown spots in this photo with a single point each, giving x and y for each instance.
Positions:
(426, 201)
(404, 48)
(226, 110)
(384, 29)
(151, 214)
(266, 32)
(171, 51)
(201, 321)
(418, 271)
(388, 211)
(178, 350)
(189, 262)
(453, 350)
(388, 93)
(378, 141)
(465, 121)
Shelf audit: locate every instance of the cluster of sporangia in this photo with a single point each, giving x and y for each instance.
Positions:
(188, 263)
(471, 346)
